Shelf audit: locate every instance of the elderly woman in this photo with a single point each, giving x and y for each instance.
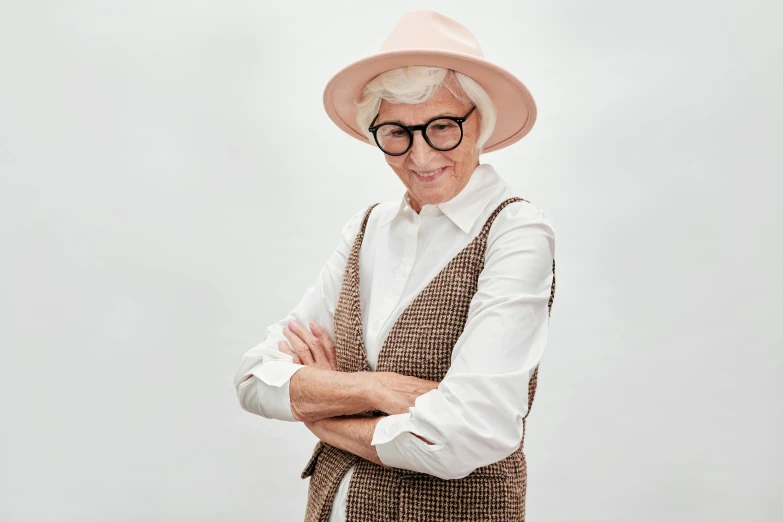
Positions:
(414, 356)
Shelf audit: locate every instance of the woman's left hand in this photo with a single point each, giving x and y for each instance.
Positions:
(314, 348)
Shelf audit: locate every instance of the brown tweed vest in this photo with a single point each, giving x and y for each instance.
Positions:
(419, 344)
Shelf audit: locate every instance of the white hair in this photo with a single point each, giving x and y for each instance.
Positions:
(417, 84)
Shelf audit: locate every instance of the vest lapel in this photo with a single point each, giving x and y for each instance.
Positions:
(348, 330)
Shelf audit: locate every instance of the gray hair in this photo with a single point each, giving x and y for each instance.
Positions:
(417, 84)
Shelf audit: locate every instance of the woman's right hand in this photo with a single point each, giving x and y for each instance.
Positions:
(395, 393)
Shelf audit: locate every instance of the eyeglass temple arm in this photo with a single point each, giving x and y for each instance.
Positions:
(466, 116)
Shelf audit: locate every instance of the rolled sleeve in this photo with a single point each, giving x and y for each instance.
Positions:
(270, 401)
(263, 389)
(475, 416)
(398, 447)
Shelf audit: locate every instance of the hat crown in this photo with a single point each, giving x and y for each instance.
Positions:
(430, 30)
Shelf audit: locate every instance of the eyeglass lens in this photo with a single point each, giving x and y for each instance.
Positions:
(442, 134)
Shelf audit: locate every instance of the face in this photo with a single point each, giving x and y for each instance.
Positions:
(457, 164)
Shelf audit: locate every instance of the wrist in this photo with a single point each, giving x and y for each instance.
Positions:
(297, 392)
(364, 386)
(372, 390)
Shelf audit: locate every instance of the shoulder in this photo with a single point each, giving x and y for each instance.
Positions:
(521, 224)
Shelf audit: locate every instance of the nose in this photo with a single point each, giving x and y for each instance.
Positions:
(421, 153)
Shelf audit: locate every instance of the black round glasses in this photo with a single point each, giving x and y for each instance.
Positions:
(442, 133)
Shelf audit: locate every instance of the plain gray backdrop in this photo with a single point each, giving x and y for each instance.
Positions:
(171, 185)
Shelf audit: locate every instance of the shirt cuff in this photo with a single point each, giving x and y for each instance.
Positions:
(266, 391)
(392, 454)
(275, 373)
(398, 447)
(407, 451)
(277, 400)
(385, 440)
(276, 379)
(389, 427)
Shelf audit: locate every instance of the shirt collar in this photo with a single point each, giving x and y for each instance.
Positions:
(464, 208)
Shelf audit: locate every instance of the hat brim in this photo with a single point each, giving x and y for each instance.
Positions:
(516, 110)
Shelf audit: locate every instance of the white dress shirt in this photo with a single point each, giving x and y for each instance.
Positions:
(474, 417)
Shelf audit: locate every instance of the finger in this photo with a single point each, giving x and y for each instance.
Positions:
(316, 348)
(302, 350)
(283, 347)
(326, 342)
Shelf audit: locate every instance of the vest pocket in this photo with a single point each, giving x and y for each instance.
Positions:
(425, 498)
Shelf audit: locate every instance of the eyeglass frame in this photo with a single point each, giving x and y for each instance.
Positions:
(423, 127)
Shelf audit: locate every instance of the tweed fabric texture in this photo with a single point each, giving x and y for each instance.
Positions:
(419, 344)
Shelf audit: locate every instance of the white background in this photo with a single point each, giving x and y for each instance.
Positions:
(171, 185)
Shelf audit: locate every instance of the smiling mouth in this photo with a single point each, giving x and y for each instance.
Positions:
(429, 173)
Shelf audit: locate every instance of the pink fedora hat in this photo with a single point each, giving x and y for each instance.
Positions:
(426, 37)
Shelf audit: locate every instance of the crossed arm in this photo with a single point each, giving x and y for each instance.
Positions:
(329, 401)
(474, 416)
